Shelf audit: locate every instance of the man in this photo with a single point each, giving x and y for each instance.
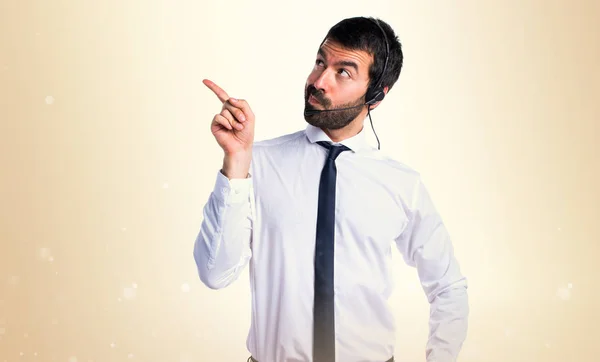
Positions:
(315, 223)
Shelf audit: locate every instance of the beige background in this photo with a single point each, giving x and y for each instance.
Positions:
(107, 160)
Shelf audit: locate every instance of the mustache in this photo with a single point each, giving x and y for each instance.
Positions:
(312, 91)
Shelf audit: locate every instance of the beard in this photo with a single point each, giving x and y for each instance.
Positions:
(330, 120)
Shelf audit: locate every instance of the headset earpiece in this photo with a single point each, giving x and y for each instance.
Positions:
(374, 97)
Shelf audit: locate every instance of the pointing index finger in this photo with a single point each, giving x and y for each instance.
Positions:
(221, 94)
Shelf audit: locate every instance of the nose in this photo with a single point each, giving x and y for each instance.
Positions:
(323, 81)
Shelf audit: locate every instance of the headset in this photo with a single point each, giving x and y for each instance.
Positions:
(374, 93)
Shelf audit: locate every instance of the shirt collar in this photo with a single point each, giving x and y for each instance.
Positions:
(356, 143)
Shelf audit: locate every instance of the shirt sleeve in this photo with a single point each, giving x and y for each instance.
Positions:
(426, 245)
(222, 246)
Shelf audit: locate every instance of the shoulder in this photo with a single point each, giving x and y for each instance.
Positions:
(393, 164)
(402, 179)
(290, 139)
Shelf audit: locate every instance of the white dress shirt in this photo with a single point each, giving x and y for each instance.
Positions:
(268, 223)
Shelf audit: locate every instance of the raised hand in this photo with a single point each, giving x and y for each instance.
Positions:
(233, 129)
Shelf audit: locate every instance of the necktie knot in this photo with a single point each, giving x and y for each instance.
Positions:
(334, 150)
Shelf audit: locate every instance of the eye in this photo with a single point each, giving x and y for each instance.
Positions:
(319, 62)
(344, 72)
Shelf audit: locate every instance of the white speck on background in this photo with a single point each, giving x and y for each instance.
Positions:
(165, 185)
(130, 355)
(49, 100)
(72, 359)
(185, 287)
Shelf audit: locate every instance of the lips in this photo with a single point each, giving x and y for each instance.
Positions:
(313, 100)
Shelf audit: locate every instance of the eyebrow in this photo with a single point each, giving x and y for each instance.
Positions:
(346, 63)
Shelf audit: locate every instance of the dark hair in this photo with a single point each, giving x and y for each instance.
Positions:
(361, 33)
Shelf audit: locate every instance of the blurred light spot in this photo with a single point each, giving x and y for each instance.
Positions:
(165, 185)
(113, 345)
(45, 255)
(185, 287)
(72, 359)
(13, 280)
(130, 355)
(123, 229)
(570, 285)
(134, 285)
(563, 293)
(49, 100)
(128, 293)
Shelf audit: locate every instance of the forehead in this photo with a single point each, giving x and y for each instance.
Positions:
(333, 51)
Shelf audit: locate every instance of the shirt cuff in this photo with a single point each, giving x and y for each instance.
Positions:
(232, 191)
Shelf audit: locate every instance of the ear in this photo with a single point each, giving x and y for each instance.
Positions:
(373, 106)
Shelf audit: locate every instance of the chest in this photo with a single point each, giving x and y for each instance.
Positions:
(368, 211)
